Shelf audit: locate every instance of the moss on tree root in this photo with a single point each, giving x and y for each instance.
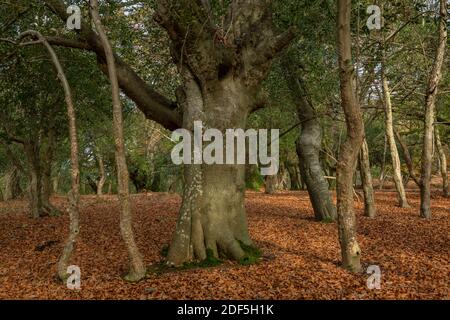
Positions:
(252, 256)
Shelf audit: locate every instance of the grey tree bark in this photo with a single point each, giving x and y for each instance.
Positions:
(74, 193)
(442, 163)
(366, 179)
(137, 269)
(222, 70)
(430, 100)
(350, 250)
(308, 146)
(12, 184)
(407, 157)
(101, 171)
(395, 159)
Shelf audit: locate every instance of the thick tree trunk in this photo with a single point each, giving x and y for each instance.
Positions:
(395, 159)
(350, 250)
(309, 146)
(212, 215)
(366, 179)
(442, 164)
(430, 99)
(222, 69)
(136, 265)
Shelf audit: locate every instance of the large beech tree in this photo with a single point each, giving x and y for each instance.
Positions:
(222, 68)
(222, 64)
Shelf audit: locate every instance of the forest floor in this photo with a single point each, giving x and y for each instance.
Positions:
(300, 256)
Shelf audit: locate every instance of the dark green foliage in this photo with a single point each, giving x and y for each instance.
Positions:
(253, 180)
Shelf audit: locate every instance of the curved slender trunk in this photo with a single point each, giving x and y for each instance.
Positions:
(137, 269)
(350, 250)
(366, 179)
(407, 157)
(395, 159)
(442, 164)
(74, 193)
(430, 99)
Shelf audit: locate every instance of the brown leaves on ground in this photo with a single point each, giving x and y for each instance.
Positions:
(301, 256)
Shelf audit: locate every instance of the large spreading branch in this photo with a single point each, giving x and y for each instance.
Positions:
(154, 105)
(242, 47)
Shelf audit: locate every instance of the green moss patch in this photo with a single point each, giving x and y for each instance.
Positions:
(252, 254)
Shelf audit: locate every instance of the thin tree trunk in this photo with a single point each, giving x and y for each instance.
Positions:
(407, 157)
(101, 171)
(110, 187)
(137, 269)
(430, 99)
(395, 159)
(442, 163)
(55, 182)
(383, 164)
(294, 176)
(47, 161)
(366, 179)
(74, 193)
(34, 187)
(350, 250)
